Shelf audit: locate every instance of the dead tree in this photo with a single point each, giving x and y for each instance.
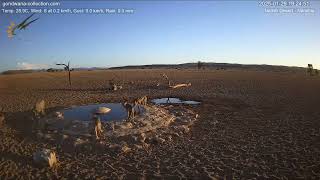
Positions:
(200, 65)
(67, 68)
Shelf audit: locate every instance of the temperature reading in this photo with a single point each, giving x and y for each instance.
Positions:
(22, 11)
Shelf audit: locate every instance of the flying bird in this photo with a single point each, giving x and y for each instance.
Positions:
(23, 25)
(26, 25)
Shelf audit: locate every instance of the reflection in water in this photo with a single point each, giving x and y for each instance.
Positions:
(85, 113)
(173, 101)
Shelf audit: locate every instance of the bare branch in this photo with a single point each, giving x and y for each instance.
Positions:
(67, 68)
(61, 64)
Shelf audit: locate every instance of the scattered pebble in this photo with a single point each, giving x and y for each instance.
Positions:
(45, 158)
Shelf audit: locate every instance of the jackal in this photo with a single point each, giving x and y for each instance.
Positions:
(39, 109)
(130, 109)
(97, 127)
(38, 112)
(141, 101)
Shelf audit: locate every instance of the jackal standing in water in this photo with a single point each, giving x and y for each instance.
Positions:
(130, 109)
(39, 108)
(141, 101)
(38, 112)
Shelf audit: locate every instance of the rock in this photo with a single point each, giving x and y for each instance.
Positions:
(59, 115)
(101, 144)
(142, 137)
(78, 142)
(135, 138)
(197, 115)
(176, 134)
(180, 113)
(39, 135)
(48, 136)
(145, 123)
(63, 137)
(103, 110)
(152, 140)
(114, 146)
(138, 146)
(184, 128)
(156, 140)
(109, 126)
(114, 87)
(215, 122)
(161, 140)
(183, 120)
(127, 125)
(145, 145)
(45, 157)
(125, 148)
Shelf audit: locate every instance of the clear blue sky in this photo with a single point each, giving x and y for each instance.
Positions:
(164, 32)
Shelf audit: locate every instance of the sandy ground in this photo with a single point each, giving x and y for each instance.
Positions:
(252, 125)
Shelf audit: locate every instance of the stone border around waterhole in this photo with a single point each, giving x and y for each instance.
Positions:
(159, 124)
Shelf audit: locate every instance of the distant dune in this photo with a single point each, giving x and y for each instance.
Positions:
(8, 72)
(19, 71)
(216, 66)
(210, 66)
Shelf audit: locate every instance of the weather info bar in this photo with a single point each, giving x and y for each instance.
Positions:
(55, 7)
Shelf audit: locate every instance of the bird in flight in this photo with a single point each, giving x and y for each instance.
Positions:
(23, 25)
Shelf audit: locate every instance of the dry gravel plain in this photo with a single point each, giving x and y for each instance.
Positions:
(252, 125)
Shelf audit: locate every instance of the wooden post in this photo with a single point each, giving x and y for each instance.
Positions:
(69, 73)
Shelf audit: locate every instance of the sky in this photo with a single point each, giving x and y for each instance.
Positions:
(163, 32)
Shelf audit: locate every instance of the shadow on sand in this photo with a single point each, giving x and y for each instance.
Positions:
(23, 122)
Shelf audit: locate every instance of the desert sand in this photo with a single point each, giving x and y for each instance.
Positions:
(251, 124)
